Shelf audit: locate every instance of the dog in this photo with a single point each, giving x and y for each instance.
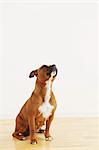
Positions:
(39, 109)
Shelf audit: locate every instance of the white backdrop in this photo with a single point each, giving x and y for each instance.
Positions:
(62, 33)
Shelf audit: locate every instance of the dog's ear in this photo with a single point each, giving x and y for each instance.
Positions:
(33, 73)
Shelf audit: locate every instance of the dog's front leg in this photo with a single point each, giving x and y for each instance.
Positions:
(48, 124)
(32, 129)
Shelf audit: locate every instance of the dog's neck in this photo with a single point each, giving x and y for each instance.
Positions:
(43, 89)
(48, 91)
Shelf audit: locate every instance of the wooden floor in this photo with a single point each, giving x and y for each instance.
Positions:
(68, 134)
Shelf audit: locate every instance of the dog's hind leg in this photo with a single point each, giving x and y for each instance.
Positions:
(20, 128)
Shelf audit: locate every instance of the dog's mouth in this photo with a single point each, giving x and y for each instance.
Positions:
(52, 71)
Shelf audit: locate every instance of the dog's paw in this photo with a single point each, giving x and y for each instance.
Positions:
(50, 138)
(22, 138)
(40, 131)
(34, 141)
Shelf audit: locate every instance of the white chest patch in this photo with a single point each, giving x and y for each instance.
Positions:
(46, 108)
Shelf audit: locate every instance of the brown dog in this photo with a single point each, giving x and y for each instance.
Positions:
(39, 108)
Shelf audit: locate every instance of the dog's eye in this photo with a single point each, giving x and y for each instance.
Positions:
(48, 74)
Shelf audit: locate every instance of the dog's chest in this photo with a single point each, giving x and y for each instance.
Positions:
(46, 108)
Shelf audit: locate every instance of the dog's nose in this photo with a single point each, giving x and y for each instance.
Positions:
(53, 66)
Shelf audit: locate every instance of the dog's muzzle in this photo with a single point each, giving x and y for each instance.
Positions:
(53, 70)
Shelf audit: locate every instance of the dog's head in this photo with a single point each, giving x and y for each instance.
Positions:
(44, 73)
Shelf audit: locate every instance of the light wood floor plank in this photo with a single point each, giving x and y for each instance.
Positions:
(68, 134)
